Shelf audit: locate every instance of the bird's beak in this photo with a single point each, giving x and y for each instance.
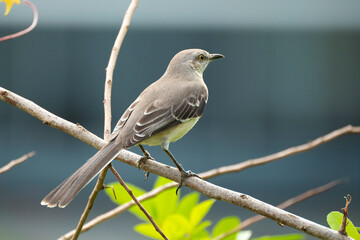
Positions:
(216, 56)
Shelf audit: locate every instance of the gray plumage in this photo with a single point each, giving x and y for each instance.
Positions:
(163, 113)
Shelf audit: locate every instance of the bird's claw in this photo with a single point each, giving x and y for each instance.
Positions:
(143, 160)
(184, 175)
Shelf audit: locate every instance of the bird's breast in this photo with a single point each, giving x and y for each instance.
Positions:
(172, 134)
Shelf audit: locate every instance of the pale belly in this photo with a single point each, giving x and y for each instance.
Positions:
(172, 134)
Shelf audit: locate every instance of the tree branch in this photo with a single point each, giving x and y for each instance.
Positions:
(15, 162)
(122, 208)
(50, 119)
(200, 185)
(308, 194)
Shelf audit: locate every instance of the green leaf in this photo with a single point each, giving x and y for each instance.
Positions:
(187, 203)
(358, 228)
(334, 220)
(175, 226)
(199, 212)
(244, 235)
(282, 237)
(164, 204)
(200, 230)
(224, 225)
(148, 230)
(124, 197)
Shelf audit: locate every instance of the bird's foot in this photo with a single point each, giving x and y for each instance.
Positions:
(184, 175)
(143, 160)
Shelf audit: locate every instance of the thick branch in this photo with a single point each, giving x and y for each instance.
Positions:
(206, 188)
(15, 162)
(308, 194)
(50, 119)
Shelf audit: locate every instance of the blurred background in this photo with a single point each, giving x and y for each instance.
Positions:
(291, 74)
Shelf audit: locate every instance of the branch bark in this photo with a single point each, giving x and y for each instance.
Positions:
(199, 185)
(15, 162)
(308, 194)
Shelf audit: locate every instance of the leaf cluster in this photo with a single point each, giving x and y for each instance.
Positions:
(181, 218)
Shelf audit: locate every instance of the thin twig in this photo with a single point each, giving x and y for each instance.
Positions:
(28, 29)
(112, 62)
(107, 108)
(123, 184)
(98, 187)
(113, 190)
(342, 229)
(15, 162)
(292, 201)
(282, 154)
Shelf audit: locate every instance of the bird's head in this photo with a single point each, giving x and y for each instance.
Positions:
(192, 60)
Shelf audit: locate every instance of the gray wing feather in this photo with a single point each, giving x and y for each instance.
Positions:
(156, 119)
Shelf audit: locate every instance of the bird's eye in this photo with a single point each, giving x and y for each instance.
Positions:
(201, 57)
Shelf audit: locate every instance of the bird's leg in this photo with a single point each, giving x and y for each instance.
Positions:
(143, 159)
(184, 174)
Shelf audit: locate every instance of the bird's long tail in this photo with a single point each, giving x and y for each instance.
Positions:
(63, 194)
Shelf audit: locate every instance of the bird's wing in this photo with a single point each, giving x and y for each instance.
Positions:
(124, 119)
(156, 119)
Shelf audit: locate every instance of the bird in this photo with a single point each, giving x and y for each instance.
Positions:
(163, 113)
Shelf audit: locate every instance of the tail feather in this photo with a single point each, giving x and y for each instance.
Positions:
(63, 194)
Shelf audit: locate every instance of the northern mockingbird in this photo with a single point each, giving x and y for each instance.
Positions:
(163, 113)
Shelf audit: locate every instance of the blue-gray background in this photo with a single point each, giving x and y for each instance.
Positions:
(291, 74)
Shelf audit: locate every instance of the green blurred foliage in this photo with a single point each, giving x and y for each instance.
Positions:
(181, 218)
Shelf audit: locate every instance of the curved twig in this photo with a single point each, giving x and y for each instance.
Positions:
(28, 29)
